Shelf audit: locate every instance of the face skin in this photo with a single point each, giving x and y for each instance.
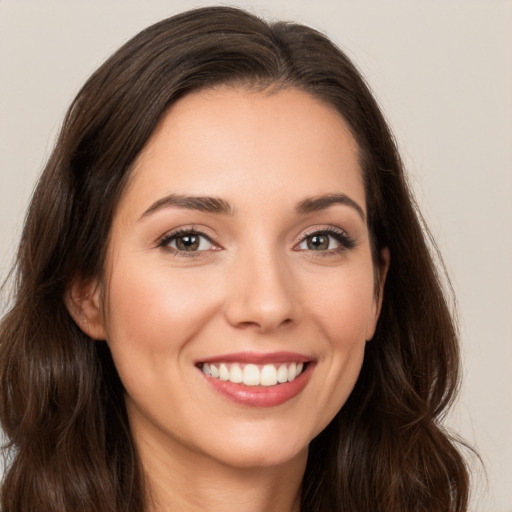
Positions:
(259, 282)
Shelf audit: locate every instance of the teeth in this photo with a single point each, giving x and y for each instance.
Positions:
(235, 374)
(223, 372)
(254, 375)
(292, 372)
(282, 374)
(268, 375)
(251, 375)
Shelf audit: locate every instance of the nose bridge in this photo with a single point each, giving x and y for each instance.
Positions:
(263, 289)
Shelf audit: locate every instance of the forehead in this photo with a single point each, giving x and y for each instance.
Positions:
(241, 143)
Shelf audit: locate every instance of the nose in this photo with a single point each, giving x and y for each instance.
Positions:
(263, 293)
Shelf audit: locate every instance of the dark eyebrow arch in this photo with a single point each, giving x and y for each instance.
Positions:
(199, 203)
(315, 204)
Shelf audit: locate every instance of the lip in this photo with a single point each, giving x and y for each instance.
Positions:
(258, 358)
(260, 396)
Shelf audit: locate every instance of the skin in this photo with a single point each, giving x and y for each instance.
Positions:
(255, 285)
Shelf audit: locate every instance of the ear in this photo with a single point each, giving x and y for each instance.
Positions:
(381, 273)
(84, 303)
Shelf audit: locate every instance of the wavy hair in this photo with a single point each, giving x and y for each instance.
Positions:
(61, 400)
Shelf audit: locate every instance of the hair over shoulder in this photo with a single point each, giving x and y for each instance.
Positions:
(61, 400)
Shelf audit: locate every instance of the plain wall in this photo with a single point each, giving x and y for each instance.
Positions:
(441, 69)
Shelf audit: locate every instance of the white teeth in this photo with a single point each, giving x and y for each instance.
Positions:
(223, 372)
(235, 374)
(253, 375)
(292, 372)
(268, 375)
(282, 374)
(214, 371)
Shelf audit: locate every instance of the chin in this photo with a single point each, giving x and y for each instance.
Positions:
(259, 448)
(263, 459)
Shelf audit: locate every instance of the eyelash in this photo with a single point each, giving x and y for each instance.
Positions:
(342, 237)
(169, 237)
(346, 241)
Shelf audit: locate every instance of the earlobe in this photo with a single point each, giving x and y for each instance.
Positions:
(84, 304)
(384, 261)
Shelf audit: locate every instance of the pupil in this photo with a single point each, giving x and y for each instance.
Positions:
(187, 243)
(317, 242)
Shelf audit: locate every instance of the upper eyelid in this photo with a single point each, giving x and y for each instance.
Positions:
(323, 229)
(328, 229)
(184, 230)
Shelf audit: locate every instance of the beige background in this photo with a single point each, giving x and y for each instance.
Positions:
(442, 70)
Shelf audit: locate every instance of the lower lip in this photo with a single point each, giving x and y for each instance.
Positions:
(261, 396)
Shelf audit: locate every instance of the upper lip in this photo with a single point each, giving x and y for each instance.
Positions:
(258, 358)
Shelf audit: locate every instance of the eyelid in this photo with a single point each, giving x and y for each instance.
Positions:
(345, 240)
(323, 229)
(164, 241)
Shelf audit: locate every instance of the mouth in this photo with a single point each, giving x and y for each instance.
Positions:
(258, 380)
(253, 374)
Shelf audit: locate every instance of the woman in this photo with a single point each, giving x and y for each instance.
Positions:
(224, 296)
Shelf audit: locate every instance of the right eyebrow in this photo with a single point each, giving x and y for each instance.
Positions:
(199, 203)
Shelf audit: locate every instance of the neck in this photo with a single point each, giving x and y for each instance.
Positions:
(179, 479)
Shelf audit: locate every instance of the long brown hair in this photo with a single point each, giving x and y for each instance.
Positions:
(61, 400)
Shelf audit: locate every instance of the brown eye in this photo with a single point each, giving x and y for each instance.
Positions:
(318, 242)
(187, 242)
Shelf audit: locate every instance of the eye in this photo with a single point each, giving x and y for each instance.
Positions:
(328, 240)
(319, 242)
(187, 241)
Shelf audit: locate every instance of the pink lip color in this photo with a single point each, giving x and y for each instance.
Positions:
(260, 396)
(257, 358)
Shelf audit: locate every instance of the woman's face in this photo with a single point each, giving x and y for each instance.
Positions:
(240, 252)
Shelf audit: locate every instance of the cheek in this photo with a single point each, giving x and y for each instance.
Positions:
(344, 314)
(152, 313)
(345, 308)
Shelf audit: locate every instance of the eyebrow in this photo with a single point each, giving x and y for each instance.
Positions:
(199, 203)
(315, 204)
(222, 207)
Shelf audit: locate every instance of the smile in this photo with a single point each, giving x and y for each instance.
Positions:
(253, 374)
(258, 380)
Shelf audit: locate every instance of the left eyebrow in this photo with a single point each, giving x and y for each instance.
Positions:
(315, 204)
